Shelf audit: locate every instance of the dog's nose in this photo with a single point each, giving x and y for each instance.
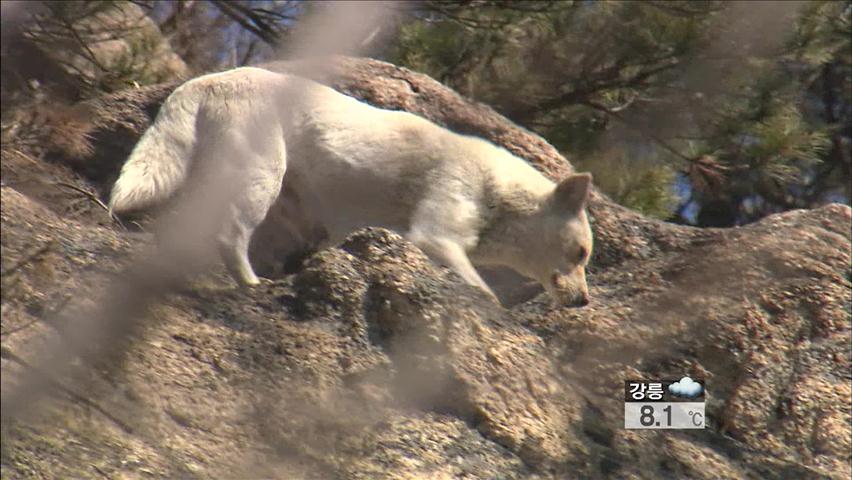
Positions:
(584, 300)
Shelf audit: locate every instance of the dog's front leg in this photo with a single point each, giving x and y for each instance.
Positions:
(451, 254)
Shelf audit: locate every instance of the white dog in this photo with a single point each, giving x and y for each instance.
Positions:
(461, 199)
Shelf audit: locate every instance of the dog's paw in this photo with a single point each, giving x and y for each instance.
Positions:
(260, 284)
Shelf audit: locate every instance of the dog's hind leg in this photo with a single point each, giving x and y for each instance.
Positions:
(233, 245)
(252, 201)
(246, 213)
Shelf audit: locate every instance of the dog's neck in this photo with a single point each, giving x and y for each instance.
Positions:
(501, 239)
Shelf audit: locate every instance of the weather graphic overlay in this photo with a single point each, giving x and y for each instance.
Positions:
(664, 404)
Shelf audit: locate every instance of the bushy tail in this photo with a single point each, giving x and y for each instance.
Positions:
(159, 163)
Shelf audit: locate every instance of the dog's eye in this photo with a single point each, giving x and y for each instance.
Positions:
(581, 255)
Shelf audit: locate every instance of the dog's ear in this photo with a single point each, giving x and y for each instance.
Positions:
(572, 193)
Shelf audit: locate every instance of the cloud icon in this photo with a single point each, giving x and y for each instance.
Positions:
(686, 387)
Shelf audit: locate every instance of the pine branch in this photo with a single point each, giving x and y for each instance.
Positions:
(644, 131)
(582, 95)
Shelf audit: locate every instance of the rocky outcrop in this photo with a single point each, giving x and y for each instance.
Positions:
(371, 362)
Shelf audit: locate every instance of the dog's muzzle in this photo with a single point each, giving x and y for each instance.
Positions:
(568, 290)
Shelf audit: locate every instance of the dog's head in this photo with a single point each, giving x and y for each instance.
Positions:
(560, 242)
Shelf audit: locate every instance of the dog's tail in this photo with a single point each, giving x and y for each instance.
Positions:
(160, 161)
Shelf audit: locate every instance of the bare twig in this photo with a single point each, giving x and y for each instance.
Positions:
(99, 470)
(85, 46)
(249, 21)
(686, 10)
(272, 14)
(24, 156)
(248, 53)
(8, 354)
(94, 198)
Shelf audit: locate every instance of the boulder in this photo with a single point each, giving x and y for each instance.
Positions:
(372, 362)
